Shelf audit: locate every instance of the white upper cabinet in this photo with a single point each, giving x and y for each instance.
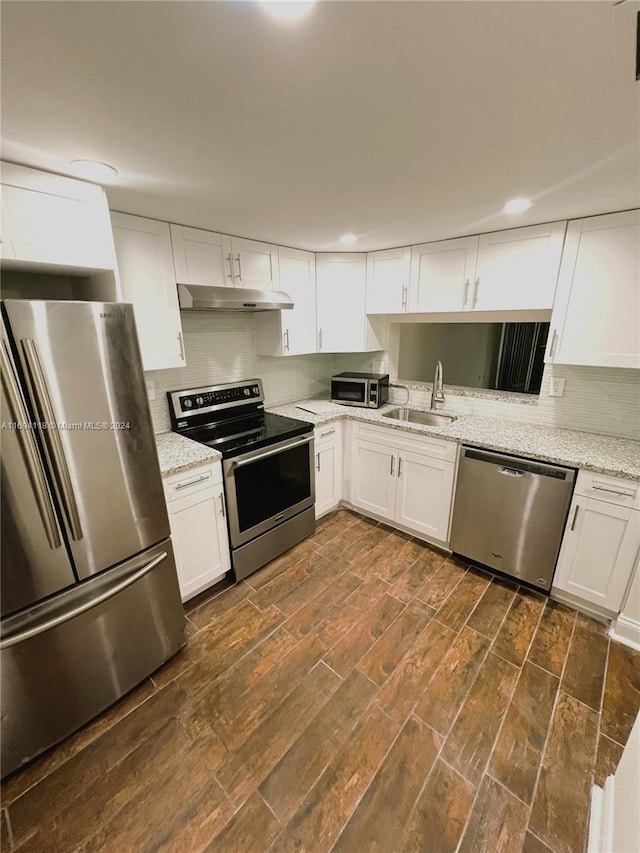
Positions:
(596, 316)
(255, 264)
(49, 220)
(145, 264)
(291, 331)
(511, 270)
(202, 257)
(442, 275)
(341, 304)
(388, 275)
(217, 260)
(518, 269)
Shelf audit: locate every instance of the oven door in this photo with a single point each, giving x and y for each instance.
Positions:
(268, 486)
(350, 392)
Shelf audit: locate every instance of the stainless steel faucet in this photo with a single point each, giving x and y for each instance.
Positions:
(437, 395)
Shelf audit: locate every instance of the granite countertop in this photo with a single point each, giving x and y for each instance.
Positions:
(177, 453)
(619, 457)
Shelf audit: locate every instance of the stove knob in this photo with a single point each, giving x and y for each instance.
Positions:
(247, 392)
(187, 403)
(255, 390)
(199, 400)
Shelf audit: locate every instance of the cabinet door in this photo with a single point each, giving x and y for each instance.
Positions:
(51, 220)
(298, 279)
(388, 274)
(596, 316)
(599, 546)
(425, 488)
(340, 302)
(518, 269)
(328, 446)
(145, 264)
(200, 542)
(202, 257)
(441, 275)
(255, 265)
(374, 478)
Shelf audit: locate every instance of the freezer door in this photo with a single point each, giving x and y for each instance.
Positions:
(34, 559)
(71, 657)
(82, 368)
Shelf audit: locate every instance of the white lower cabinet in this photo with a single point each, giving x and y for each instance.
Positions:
(197, 516)
(328, 463)
(404, 478)
(601, 541)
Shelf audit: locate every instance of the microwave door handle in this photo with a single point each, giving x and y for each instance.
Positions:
(367, 392)
(31, 453)
(45, 407)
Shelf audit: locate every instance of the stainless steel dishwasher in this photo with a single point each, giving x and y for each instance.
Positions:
(509, 513)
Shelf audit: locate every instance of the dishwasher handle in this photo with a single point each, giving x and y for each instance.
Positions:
(514, 466)
(510, 472)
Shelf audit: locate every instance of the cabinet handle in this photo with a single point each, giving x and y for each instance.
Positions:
(239, 267)
(622, 494)
(575, 515)
(319, 339)
(286, 340)
(476, 288)
(317, 461)
(328, 432)
(399, 466)
(554, 341)
(191, 482)
(466, 293)
(230, 273)
(221, 499)
(404, 295)
(181, 345)
(393, 458)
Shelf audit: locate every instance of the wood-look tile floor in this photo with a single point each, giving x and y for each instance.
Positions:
(361, 693)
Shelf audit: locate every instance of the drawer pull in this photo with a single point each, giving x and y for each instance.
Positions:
(328, 432)
(623, 494)
(191, 482)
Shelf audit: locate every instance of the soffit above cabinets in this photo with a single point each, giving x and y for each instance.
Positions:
(400, 122)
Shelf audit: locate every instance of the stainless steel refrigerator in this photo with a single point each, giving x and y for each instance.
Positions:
(90, 600)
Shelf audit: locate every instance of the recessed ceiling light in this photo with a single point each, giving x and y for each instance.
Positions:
(348, 239)
(287, 11)
(517, 205)
(92, 170)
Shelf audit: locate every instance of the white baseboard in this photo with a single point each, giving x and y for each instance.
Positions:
(626, 631)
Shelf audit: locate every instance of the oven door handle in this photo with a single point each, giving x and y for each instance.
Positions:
(238, 463)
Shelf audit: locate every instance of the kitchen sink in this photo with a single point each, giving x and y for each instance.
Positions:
(415, 416)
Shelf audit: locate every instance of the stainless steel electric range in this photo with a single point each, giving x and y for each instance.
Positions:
(267, 462)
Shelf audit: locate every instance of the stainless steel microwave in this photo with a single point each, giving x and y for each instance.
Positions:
(369, 390)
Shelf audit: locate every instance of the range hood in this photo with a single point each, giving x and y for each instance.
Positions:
(197, 297)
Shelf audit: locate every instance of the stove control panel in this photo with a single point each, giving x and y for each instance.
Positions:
(212, 398)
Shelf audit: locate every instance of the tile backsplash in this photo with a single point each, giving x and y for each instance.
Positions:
(221, 348)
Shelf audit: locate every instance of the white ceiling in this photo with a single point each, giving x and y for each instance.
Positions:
(398, 121)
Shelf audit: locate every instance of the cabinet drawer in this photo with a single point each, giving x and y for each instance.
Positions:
(437, 448)
(326, 434)
(189, 482)
(613, 490)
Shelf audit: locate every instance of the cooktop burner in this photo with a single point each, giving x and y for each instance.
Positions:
(230, 418)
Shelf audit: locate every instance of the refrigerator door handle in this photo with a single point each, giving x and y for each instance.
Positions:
(31, 454)
(88, 605)
(47, 414)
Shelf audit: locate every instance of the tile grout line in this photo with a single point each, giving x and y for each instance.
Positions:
(550, 726)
